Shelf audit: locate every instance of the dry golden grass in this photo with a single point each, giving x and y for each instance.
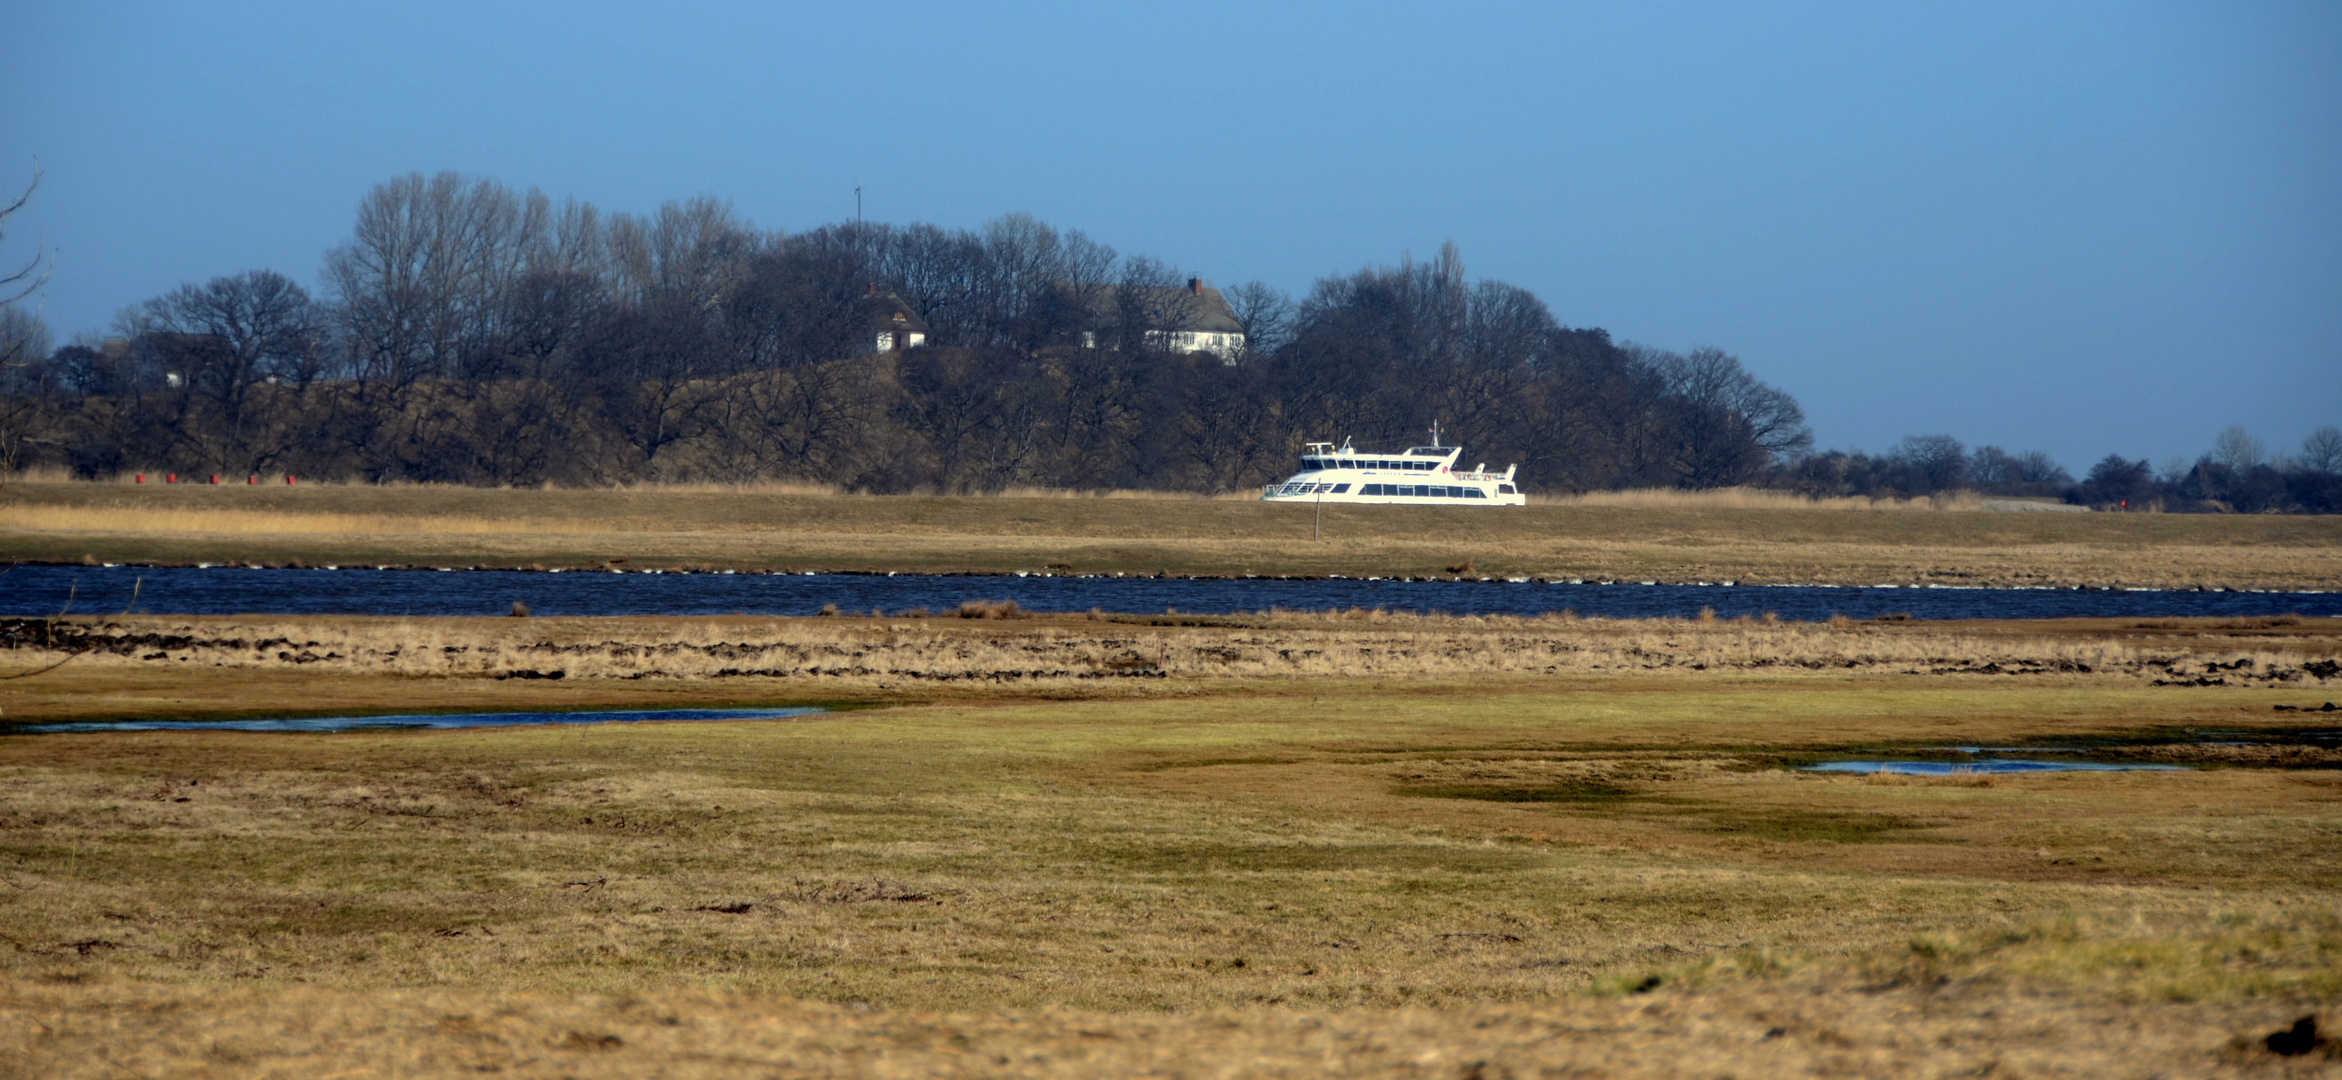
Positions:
(1758, 539)
(1787, 1028)
(1284, 845)
(138, 520)
(1741, 498)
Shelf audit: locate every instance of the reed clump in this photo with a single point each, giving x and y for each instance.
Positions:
(990, 609)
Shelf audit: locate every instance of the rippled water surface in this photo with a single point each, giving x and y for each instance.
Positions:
(1981, 766)
(44, 590)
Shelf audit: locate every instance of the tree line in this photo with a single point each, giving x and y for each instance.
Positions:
(465, 332)
(468, 333)
(2237, 474)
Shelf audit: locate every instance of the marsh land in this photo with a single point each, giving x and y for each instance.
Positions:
(1348, 844)
(752, 529)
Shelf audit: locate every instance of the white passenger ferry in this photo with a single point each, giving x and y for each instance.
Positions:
(1417, 476)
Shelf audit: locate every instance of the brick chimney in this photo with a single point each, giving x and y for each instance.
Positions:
(1195, 285)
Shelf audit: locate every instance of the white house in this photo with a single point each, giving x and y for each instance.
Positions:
(893, 325)
(1190, 319)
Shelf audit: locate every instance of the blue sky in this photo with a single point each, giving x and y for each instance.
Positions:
(2076, 227)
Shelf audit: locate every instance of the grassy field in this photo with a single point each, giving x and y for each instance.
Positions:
(1287, 846)
(1734, 539)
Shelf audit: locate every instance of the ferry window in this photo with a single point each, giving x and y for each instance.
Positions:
(1309, 464)
(1507, 489)
(1474, 493)
(1341, 488)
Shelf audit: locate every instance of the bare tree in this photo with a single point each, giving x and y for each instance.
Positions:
(2321, 452)
(2237, 449)
(1933, 462)
(419, 282)
(2036, 467)
(1992, 466)
(241, 346)
(19, 283)
(1266, 314)
(1727, 424)
(27, 385)
(24, 405)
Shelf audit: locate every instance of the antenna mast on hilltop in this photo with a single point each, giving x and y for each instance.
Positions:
(857, 202)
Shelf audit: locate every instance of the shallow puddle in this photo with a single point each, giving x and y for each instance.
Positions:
(420, 720)
(1979, 767)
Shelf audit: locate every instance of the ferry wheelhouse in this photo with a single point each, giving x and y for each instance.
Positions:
(1416, 476)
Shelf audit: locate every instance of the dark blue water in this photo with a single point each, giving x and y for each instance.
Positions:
(419, 720)
(43, 590)
(1981, 766)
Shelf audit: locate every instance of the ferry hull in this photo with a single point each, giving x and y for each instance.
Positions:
(1418, 476)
